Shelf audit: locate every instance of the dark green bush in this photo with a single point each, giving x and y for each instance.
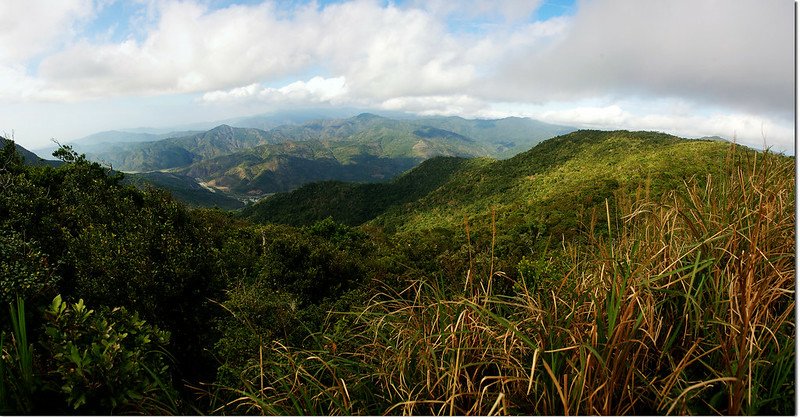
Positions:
(107, 361)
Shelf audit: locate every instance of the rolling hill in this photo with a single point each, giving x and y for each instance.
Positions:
(354, 204)
(541, 189)
(29, 157)
(184, 189)
(248, 163)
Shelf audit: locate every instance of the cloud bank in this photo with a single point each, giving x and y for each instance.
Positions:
(728, 62)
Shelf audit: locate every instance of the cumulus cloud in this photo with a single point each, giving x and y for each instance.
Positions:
(427, 57)
(733, 53)
(382, 51)
(739, 54)
(748, 129)
(316, 90)
(190, 49)
(33, 27)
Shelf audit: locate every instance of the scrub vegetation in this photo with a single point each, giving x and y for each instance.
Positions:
(598, 273)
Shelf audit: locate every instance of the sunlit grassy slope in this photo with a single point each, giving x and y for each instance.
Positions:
(547, 186)
(682, 304)
(544, 188)
(352, 203)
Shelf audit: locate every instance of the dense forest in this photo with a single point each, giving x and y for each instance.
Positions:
(597, 273)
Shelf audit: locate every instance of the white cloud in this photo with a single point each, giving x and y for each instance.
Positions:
(32, 27)
(15, 84)
(611, 115)
(382, 51)
(316, 90)
(748, 129)
(236, 94)
(450, 105)
(190, 49)
(428, 57)
(739, 54)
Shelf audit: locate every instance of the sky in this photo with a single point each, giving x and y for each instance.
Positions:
(694, 68)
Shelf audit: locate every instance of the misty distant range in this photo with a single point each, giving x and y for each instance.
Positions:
(242, 160)
(245, 159)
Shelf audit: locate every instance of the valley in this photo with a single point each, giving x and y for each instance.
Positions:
(245, 164)
(382, 254)
(398, 208)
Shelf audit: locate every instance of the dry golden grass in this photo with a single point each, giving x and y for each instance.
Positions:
(683, 305)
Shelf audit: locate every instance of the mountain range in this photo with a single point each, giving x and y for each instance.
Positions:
(28, 156)
(228, 163)
(543, 189)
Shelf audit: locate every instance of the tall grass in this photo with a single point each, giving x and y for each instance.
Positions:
(16, 365)
(683, 305)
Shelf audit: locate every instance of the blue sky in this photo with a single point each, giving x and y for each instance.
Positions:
(688, 67)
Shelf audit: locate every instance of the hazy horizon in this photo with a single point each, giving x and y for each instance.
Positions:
(689, 68)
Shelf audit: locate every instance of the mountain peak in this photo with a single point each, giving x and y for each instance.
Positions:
(223, 128)
(367, 116)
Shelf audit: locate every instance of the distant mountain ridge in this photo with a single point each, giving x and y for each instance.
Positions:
(100, 140)
(356, 203)
(247, 163)
(178, 151)
(506, 137)
(29, 157)
(537, 190)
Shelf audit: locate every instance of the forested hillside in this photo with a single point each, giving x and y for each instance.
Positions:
(596, 273)
(543, 188)
(352, 203)
(28, 156)
(247, 164)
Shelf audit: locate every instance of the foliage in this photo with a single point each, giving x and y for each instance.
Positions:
(17, 380)
(598, 273)
(107, 361)
(24, 270)
(684, 305)
(10, 159)
(19, 155)
(77, 230)
(300, 275)
(354, 204)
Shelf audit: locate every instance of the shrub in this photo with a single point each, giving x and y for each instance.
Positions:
(107, 361)
(24, 270)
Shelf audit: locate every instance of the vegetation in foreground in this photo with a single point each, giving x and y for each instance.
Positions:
(673, 300)
(684, 305)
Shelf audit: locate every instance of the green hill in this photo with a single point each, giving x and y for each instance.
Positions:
(29, 157)
(549, 186)
(249, 163)
(178, 152)
(545, 188)
(353, 204)
(184, 189)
